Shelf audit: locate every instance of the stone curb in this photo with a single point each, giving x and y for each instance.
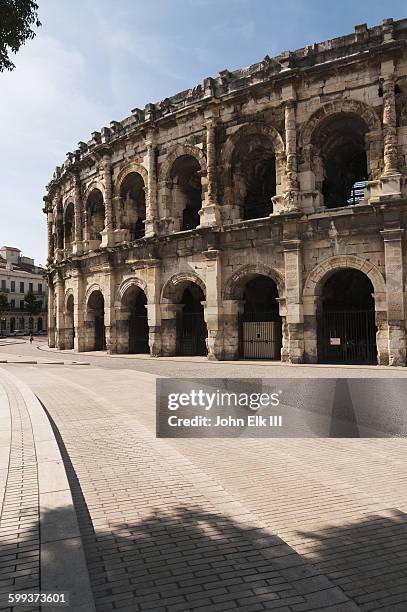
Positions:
(33, 362)
(63, 564)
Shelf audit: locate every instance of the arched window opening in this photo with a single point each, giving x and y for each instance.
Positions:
(96, 215)
(68, 226)
(191, 326)
(133, 327)
(96, 321)
(260, 322)
(187, 190)
(133, 205)
(340, 140)
(346, 319)
(12, 324)
(39, 324)
(254, 176)
(69, 323)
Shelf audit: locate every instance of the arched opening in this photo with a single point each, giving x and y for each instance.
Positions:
(21, 324)
(191, 326)
(260, 321)
(133, 205)
(12, 324)
(39, 324)
(135, 331)
(187, 190)
(31, 324)
(254, 176)
(68, 227)
(96, 322)
(69, 323)
(340, 141)
(95, 215)
(346, 321)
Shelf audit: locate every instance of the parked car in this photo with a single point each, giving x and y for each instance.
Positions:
(20, 332)
(41, 333)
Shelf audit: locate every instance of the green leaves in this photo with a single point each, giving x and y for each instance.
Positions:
(17, 19)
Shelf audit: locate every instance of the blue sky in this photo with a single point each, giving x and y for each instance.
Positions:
(94, 60)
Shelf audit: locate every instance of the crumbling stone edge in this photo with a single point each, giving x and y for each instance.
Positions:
(63, 564)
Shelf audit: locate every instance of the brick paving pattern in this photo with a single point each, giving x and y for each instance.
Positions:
(19, 521)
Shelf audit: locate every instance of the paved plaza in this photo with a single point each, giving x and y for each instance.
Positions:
(132, 522)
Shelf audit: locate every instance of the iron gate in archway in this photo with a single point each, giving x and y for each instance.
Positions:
(191, 334)
(347, 336)
(260, 336)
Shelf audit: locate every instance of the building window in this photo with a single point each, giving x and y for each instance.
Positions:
(39, 287)
(3, 285)
(30, 287)
(12, 286)
(21, 304)
(12, 303)
(21, 287)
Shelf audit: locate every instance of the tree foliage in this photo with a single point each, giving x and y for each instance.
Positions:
(17, 20)
(4, 305)
(31, 304)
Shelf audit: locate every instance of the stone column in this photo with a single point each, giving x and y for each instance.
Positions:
(50, 222)
(393, 254)
(51, 316)
(209, 213)
(231, 310)
(152, 203)
(390, 180)
(79, 308)
(77, 244)
(289, 201)
(213, 305)
(169, 314)
(311, 305)
(110, 320)
(59, 228)
(60, 314)
(154, 307)
(107, 233)
(294, 345)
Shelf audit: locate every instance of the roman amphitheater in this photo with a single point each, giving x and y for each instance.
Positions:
(260, 214)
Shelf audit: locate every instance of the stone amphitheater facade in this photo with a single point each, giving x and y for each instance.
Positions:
(259, 214)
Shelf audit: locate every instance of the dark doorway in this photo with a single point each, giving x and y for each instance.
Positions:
(187, 190)
(191, 326)
(133, 204)
(260, 323)
(96, 307)
(346, 322)
(138, 322)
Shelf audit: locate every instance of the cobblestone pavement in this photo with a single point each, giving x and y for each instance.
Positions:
(199, 524)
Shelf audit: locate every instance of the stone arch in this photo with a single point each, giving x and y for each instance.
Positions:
(317, 277)
(235, 284)
(68, 293)
(249, 129)
(363, 110)
(128, 169)
(90, 290)
(93, 185)
(126, 284)
(174, 285)
(178, 151)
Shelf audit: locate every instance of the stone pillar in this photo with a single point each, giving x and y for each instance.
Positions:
(169, 314)
(152, 202)
(59, 228)
(50, 222)
(60, 314)
(79, 308)
(122, 330)
(391, 178)
(110, 312)
(154, 307)
(210, 211)
(107, 233)
(294, 345)
(289, 200)
(51, 315)
(393, 254)
(213, 305)
(77, 244)
(311, 305)
(231, 310)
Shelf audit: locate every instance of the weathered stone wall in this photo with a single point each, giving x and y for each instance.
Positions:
(283, 110)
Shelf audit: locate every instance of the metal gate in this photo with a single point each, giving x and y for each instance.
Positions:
(191, 334)
(260, 339)
(347, 337)
(138, 334)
